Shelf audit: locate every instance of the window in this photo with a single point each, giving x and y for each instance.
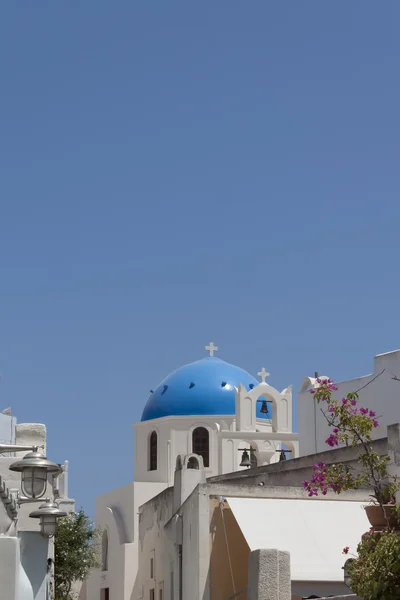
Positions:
(160, 595)
(153, 451)
(152, 568)
(152, 596)
(200, 444)
(105, 594)
(104, 551)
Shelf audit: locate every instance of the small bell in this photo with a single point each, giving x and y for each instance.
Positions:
(264, 408)
(282, 456)
(245, 460)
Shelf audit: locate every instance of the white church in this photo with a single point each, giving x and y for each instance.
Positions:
(189, 519)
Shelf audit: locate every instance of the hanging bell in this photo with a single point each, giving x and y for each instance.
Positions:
(264, 408)
(245, 460)
(282, 456)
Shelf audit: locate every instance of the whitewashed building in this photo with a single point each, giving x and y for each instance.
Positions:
(207, 412)
(184, 528)
(25, 555)
(379, 390)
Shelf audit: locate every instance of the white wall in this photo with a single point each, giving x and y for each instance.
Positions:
(117, 512)
(161, 533)
(381, 395)
(174, 439)
(7, 429)
(155, 543)
(34, 553)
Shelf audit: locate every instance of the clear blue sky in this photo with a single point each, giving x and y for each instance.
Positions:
(178, 172)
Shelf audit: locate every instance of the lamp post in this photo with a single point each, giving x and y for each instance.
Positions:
(35, 469)
(48, 513)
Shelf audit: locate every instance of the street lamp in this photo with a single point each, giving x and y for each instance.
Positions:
(34, 469)
(48, 513)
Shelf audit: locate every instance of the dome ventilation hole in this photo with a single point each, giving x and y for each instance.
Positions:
(191, 385)
(251, 386)
(164, 389)
(223, 384)
(151, 391)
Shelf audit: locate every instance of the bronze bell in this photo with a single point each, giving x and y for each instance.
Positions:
(245, 460)
(282, 456)
(264, 408)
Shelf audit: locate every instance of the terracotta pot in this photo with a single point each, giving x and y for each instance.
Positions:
(378, 517)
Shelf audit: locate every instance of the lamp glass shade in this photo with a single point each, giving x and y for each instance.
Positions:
(33, 482)
(48, 525)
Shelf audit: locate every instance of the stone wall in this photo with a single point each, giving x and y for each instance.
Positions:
(294, 472)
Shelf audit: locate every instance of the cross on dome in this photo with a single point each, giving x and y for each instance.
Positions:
(263, 374)
(211, 348)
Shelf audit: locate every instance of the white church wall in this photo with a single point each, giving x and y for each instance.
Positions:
(196, 544)
(174, 438)
(155, 545)
(381, 395)
(161, 534)
(117, 513)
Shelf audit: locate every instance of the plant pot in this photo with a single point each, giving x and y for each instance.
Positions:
(380, 516)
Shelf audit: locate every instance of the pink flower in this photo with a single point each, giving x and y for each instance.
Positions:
(332, 440)
(372, 413)
(375, 423)
(364, 411)
(354, 402)
(312, 391)
(331, 409)
(336, 430)
(344, 400)
(346, 550)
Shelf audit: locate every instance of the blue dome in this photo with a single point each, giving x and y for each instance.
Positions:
(204, 387)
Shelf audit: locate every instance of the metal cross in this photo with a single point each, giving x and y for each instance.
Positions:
(211, 348)
(263, 374)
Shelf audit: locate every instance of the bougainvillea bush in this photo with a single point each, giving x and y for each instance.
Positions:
(375, 571)
(351, 425)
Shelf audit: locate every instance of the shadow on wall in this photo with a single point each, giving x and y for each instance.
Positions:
(34, 550)
(229, 558)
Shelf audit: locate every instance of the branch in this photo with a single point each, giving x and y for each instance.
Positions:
(373, 379)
